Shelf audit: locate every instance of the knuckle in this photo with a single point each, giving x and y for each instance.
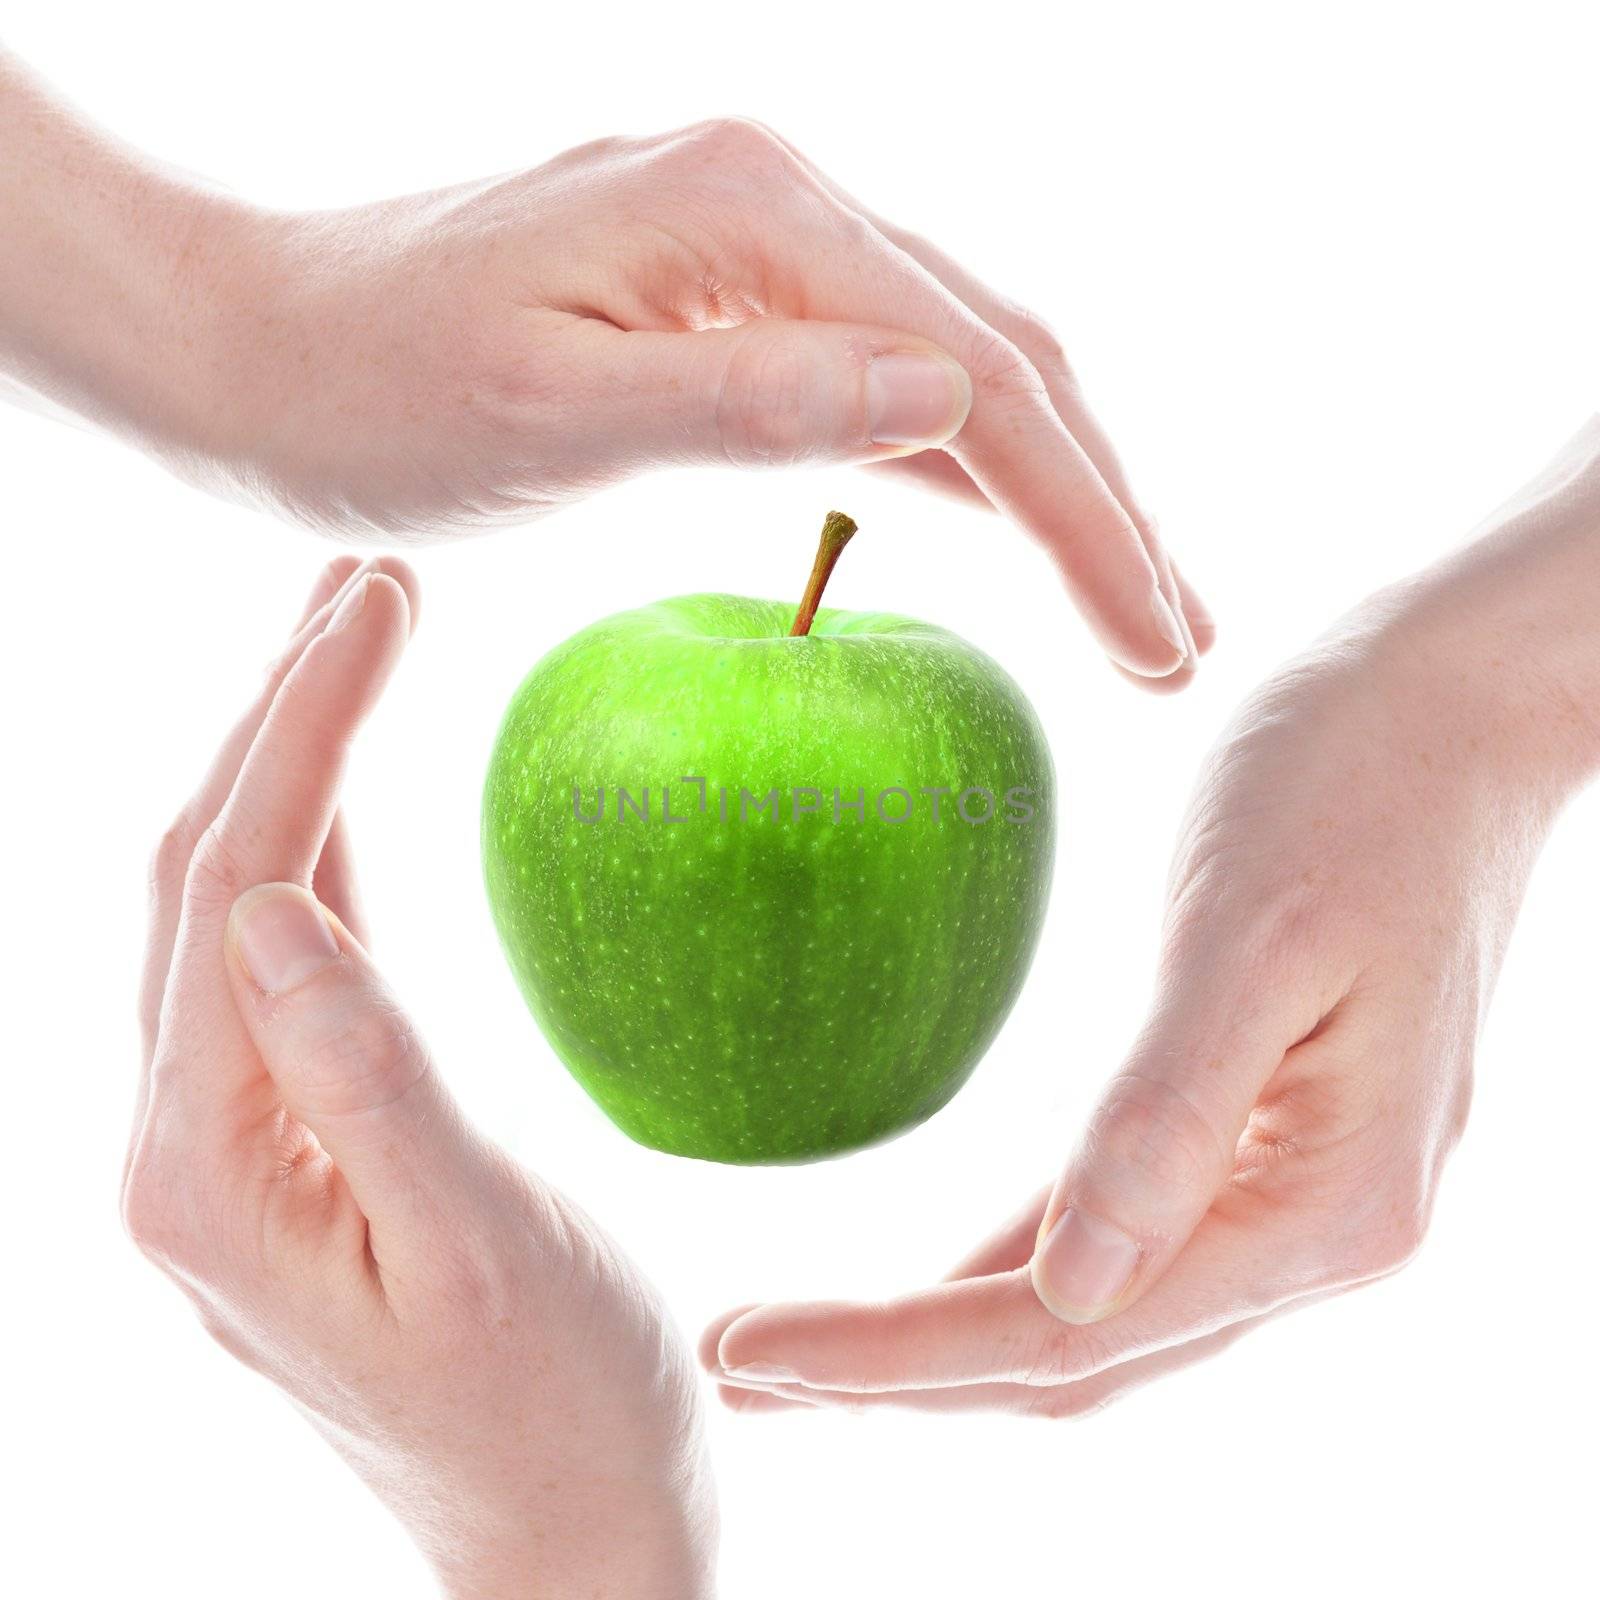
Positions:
(1068, 1402)
(164, 1230)
(362, 1064)
(1002, 375)
(139, 1221)
(1061, 1355)
(910, 242)
(169, 862)
(742, 141)
(764, 415)
(1040, 340)
(1368, 1213)
(155, 1218)
(233, 1339)
(215, 877)
(590, 152)
(1392, 1239)
(1150, 1133)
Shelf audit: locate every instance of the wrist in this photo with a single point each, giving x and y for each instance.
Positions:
(608, 1572)
(639, 1545)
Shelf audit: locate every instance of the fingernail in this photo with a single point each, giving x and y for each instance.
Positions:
(282, 937)
(1168, 626)
(352, 605)
(1083, 1266)
(761, 1372)
(915, 399)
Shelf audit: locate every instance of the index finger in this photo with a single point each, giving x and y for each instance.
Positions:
(277, 816)
(1019, 452)
(994, 1330)
(1014, 446)
(1029, 444)
(206, 1082)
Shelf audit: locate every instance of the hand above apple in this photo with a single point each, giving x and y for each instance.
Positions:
(1344, 888)
(301, 1171)
(482, 355)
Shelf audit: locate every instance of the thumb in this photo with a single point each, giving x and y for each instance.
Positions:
(340, 1051)
(773, 393)
(1160, 1145)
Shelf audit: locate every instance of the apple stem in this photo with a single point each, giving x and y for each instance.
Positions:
(837, 529)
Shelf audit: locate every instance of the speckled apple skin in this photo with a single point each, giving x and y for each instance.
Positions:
(773, 989)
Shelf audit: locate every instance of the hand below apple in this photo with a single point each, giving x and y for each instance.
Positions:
(1343, 892)
(480, 355)
(481, 1354)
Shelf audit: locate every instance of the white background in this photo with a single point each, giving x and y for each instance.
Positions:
(1329, 274)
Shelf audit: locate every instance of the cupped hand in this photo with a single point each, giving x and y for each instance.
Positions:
(1345, 884)
(481, 1354)
(483, 354)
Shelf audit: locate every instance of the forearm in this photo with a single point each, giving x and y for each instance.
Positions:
(109, 272)
(1505, 632)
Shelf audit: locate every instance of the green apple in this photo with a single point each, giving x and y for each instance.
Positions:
(770, 890)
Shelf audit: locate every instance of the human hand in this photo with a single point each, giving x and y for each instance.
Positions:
(475, 1347)
(1344, 888)
(481, 355)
